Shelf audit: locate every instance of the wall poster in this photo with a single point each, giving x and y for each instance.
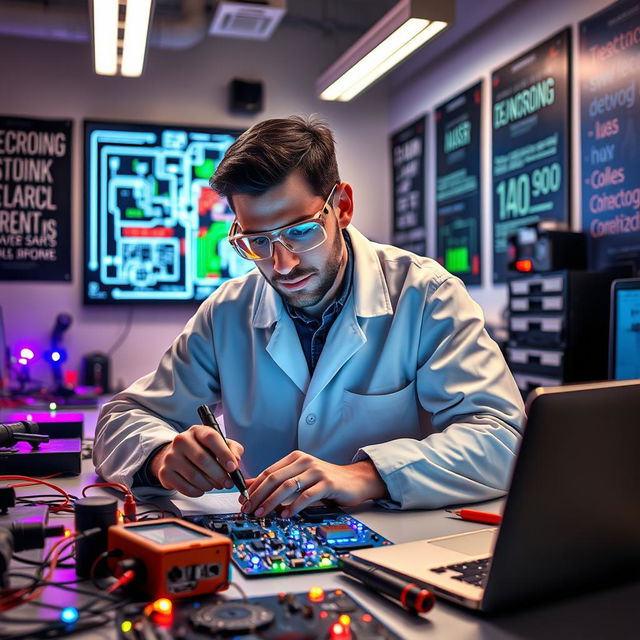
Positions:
(610, 130)
(35, 199)
(458, 201)
(530, 116)
(408, 158)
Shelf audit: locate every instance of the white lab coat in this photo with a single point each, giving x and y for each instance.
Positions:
(408, 377)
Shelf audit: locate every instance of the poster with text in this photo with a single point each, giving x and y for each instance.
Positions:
(530, 117)
(458, 184)
(407, 154)
(35, 199)
(610, 130)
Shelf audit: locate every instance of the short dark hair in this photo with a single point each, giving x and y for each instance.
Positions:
(265, 155)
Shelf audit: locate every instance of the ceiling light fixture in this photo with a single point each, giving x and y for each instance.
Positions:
(405, 28)
(120, 31)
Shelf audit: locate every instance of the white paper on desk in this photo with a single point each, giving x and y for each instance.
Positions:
(214, 502)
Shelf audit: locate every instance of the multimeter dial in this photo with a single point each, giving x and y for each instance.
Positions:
(232, 617)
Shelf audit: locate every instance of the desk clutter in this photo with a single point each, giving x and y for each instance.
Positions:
(149, 576)
(333, 615)
(52, 444)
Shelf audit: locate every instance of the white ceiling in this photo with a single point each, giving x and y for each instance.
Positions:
(183, 23)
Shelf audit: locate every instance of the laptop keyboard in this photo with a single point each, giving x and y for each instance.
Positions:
(473, 572)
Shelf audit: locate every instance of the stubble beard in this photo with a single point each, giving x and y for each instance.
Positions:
(302, 299)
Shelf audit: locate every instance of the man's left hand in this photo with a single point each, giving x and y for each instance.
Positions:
(300, 479)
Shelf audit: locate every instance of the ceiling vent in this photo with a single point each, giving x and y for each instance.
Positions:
(248, 20)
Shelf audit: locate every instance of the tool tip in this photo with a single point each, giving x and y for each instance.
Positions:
(245, 494)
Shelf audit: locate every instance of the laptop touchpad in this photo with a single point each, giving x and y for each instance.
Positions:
(471, 544)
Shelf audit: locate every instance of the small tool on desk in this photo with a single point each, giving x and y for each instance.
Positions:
(413, 597)
(477, 516)
(209, 420)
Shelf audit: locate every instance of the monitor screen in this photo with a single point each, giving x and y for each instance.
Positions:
(154, 229)
(626, 330)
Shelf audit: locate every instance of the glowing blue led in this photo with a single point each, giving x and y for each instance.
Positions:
(69, 615)
(310, 546)
(255, 560)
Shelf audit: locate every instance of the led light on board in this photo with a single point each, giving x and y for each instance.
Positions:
(316, 594)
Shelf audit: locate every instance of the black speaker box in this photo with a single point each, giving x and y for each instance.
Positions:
(245, 97)
(96, 371)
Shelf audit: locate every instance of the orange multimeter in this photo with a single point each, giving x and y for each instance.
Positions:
(181, 559)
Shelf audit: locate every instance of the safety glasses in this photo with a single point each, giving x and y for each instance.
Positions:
(298, 238)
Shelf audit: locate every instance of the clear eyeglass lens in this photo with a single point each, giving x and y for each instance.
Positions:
(302, 237)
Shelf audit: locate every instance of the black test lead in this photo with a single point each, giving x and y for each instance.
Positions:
(209, 420)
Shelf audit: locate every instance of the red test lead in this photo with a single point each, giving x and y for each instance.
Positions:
(477, 516)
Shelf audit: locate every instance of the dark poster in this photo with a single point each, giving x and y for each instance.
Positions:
(530, 111)
(35, 199)
(610, 129)
(407, 154)
(458, 184)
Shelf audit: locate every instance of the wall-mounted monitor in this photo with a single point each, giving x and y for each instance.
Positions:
(154, 229)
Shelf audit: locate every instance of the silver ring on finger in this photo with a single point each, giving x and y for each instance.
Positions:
(298, 485)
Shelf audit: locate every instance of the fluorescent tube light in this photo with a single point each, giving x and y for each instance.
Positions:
(136, 29)
(408, 25)
(105, 37)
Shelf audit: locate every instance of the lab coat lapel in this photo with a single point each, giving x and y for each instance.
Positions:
(284, 344)
(369, 298)
(344, 339)
(285, 349)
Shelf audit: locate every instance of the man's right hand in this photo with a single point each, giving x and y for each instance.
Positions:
(193, 463)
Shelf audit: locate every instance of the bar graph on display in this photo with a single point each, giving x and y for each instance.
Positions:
(458, 200)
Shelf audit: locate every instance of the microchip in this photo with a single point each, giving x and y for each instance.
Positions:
(258, 545)
(245, 534)
(335, 531)
(221, 527)
(320, 513)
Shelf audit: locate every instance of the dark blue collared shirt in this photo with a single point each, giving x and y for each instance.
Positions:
(312, 332)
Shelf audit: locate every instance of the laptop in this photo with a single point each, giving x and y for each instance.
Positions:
(571, 520)
(624, 330)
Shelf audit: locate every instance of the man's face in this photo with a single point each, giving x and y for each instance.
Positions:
(308, 280)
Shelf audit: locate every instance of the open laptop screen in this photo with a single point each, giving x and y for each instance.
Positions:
(624, 349)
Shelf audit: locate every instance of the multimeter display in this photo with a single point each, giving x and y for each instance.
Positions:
(168, 533)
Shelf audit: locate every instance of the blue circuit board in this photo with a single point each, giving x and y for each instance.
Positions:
(311, 541)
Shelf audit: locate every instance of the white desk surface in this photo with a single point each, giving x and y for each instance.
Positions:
(606, 614)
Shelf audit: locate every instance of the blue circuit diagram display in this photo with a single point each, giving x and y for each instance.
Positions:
(154, 229)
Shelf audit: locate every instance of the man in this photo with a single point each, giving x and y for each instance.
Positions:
(344, 370)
